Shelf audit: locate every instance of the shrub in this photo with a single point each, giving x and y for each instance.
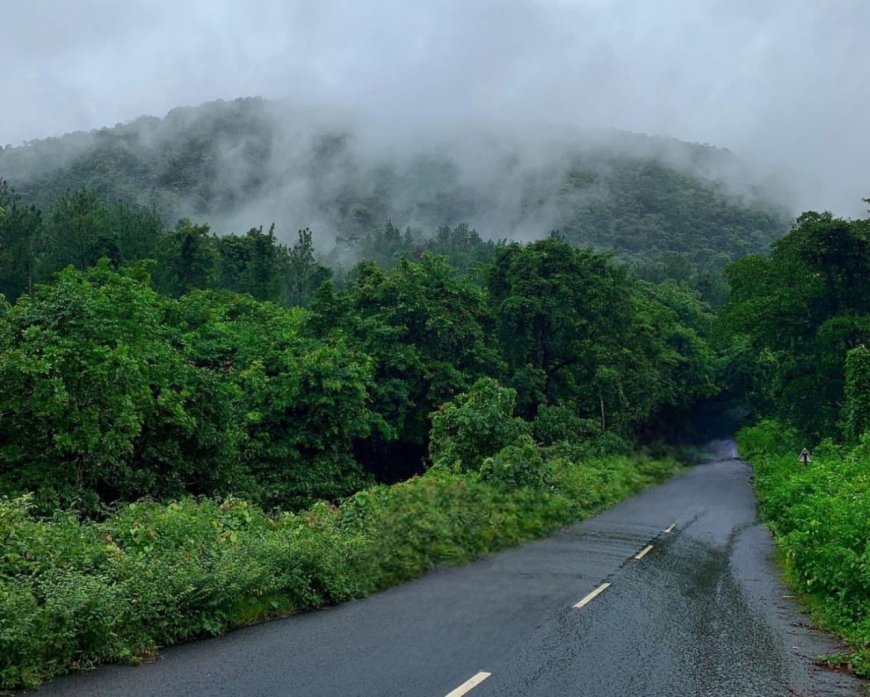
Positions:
(819, 515)
(554, 424)
(517, 465)
(476, 425)
(76, 593)
(857, 394)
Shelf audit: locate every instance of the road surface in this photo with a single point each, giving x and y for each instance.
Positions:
(700, 612)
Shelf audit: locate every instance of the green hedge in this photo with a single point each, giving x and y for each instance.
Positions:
(75, 593)
(820, 515)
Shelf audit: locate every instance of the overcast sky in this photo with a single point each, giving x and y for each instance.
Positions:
(783, 82)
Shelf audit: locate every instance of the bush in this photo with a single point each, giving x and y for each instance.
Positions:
(554, 424)
(819, 515)
(76, 593)
(476, 425)
(518, 465)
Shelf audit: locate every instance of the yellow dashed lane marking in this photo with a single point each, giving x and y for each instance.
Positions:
(642, 553)
(670, 527)
(469, 684)
(594, 594)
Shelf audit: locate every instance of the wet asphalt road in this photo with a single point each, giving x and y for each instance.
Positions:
(701, 614)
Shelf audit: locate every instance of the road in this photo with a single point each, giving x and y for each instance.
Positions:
(700, 613)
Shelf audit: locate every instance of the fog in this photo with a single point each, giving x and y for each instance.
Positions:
(784, 85)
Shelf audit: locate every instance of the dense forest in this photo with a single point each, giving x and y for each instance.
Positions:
(114, 390)
(218, 428)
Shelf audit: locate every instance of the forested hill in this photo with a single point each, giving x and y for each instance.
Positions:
(252, 162)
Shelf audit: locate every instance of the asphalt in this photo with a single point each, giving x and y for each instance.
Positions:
(703, 614)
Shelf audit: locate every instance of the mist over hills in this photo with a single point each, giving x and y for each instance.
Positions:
(252, 162)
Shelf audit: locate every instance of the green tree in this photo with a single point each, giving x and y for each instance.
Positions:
(189, 259)
(796, 315)
(254, 263)
(21, 229)
(97, 405)
(139, 232)
(304, 273)
(303, 400)
(428, 331)
(856, 420)
(79, 232)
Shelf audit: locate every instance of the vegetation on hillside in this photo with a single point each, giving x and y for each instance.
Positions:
(669, 208)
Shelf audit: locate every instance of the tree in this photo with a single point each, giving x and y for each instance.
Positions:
(79, 232)
(303, 400)
(304, 274)
(797, 314)
(21, 231)
(97, 403)
(428, 332)
(189, 259)
(254, 263)
(139, 232)
(475, 425)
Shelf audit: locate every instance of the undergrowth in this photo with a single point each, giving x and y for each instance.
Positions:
(820, 516)
(76, 593)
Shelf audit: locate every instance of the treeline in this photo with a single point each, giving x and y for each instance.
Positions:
(114, 391)
(798, 323)
(80, 229)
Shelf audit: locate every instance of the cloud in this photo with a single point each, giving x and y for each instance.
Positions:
(784, 84)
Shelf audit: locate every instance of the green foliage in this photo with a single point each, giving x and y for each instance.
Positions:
(79, 232)
(792, 318)
(577, 330)
(857, 394)
(74, 593)
(426, 331)
(113, 392)
(650, 211)
(304, 274)
(190, 260)
(302, 401)
(98, 406)
(476, 425)
(557, 424)
(20, 228)
(520, 464)
(818, 513)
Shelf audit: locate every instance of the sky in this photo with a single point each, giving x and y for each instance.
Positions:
(785, 84)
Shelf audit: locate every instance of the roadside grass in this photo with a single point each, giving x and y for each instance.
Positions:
(820, 516)
(76, 593)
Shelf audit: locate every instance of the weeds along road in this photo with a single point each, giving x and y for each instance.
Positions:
(693, 607)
